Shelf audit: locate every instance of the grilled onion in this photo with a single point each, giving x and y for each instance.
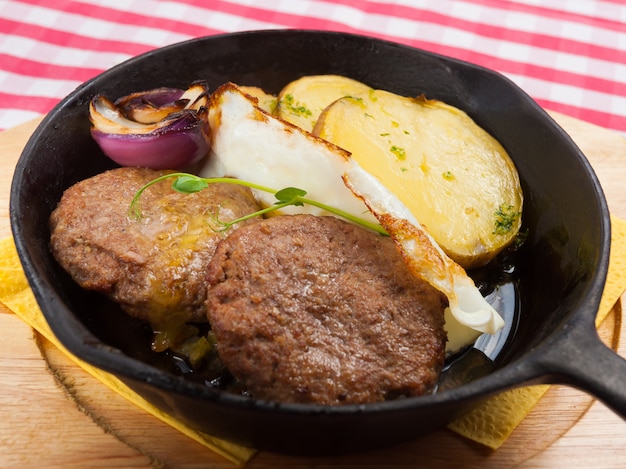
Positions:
(163, 128)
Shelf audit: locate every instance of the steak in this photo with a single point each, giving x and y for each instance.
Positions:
(154, 266)
(313, 309)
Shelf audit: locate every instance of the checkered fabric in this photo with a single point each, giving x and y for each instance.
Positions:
(569, 55)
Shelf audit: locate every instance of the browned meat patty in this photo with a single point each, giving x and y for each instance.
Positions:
(154, 267)
(316, 310)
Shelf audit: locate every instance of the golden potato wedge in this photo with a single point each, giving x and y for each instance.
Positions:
(301, 101)
(456, 179)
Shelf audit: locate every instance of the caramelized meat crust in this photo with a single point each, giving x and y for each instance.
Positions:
(316, 310)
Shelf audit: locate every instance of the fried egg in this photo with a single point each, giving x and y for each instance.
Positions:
(250, 144)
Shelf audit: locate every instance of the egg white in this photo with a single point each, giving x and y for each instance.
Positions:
(249, 144)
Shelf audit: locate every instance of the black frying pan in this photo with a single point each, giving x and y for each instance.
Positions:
(560, 271)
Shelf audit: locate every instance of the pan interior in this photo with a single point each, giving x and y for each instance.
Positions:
(537, 286)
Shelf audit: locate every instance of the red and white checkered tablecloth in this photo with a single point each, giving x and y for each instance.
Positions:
(570, 55)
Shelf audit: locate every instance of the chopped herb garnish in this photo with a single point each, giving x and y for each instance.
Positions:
(294, 107)
(385, 134)
(448, 175)
(506, 216)
(354, 98)
(290, 196)
(398, 151)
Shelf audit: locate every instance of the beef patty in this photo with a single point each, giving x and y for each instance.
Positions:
(154, 266)
(316, 310)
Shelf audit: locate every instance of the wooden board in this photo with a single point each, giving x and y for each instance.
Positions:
(52, 414)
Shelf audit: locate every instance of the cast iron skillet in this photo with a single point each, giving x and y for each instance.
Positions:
(560, 280)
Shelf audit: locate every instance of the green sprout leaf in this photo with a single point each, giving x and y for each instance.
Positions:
(289, 196)
(188, 184)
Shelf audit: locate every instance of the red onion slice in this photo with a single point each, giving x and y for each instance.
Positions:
(163, 128)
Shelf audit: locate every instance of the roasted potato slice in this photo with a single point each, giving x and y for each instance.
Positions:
(302, 101)
(267, 102)
(456, 179)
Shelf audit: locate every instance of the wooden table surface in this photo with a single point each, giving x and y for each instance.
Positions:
(52, 414)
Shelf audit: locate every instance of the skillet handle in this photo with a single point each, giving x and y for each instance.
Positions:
(583, 361)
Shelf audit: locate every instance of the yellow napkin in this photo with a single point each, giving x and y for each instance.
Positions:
(17, 296)
(489, 424)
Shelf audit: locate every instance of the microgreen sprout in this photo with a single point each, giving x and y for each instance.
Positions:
(289, 196)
